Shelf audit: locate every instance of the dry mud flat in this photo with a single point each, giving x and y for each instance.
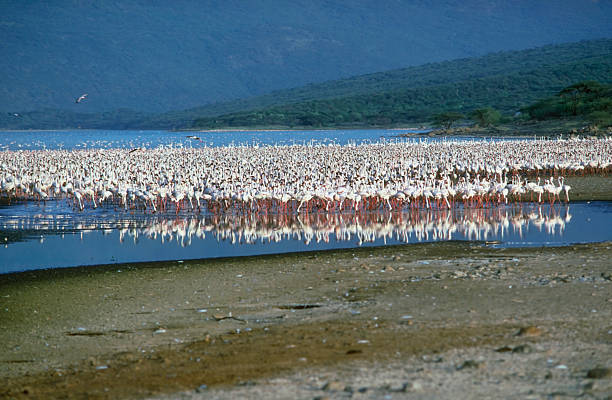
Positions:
(431, 320)
(441, 320)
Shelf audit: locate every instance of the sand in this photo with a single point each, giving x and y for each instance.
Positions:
(437, 320)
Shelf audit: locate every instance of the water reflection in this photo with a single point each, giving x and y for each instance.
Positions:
(416, 226)
(49, 238)
(408, 226)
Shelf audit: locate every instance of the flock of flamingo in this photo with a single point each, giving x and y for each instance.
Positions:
(302, 179)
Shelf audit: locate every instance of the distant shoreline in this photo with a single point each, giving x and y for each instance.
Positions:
(558, 128)
(302, 129)
(417, 130)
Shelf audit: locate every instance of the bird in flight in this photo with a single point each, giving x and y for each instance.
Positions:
(194, 137)
(81, 98)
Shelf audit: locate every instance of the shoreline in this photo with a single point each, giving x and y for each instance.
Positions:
(136, 331)
(424, 130)
(584, 190)
(423, 319)
(427, 132)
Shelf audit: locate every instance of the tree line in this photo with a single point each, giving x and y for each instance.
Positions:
(480, 98)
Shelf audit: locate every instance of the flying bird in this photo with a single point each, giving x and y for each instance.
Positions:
(81, 98)
(194, 137)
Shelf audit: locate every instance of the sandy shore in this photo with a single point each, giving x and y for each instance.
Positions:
(442, 320)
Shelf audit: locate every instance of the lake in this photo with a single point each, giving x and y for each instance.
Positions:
(52, 234)
(36, 237)
(85, 139)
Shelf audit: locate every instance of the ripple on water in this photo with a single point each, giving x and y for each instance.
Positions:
(41, 237)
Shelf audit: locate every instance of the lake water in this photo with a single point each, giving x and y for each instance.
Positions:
(87, 139)
(84, 139)
(35, 236)
(42, 237)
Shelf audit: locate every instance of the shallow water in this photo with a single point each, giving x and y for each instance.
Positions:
(95, 139)
(85, 139)
(37, 236)
(52, 235)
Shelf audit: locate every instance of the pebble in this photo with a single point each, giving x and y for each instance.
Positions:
(333, 386)
(400, 387)
(529, 331)
(201, 388)
(600, 373)
(434, 359)
(469, 364)
(522, 348)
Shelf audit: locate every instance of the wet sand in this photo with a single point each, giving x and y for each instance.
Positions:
(590, 188)
(437, 320)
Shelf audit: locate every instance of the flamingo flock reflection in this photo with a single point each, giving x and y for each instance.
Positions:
(403, 226)
(304, 179)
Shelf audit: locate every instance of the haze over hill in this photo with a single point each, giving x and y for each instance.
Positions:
(157, 56)
(507, 81)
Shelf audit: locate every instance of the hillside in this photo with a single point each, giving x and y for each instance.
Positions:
(507, 92)
(430, 74)
(504, 80)
(153, 56)
(587, 100)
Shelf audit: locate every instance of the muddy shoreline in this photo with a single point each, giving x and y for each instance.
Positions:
(433, 320)
(142, 331)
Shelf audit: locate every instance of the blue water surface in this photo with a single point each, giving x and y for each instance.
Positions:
(50, 235)
(45, 237)
(84, 139)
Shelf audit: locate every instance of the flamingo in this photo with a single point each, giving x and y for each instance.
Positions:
(566, 189)
(279, 179)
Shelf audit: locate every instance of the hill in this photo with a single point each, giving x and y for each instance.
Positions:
(507, 82)
(154, 56)
(588, 100)
(504, 80)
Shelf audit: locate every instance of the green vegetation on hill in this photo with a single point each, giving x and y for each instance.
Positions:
(589, 100)
(504, 81)
(583, 108)
(507, 92)
(423, 76)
